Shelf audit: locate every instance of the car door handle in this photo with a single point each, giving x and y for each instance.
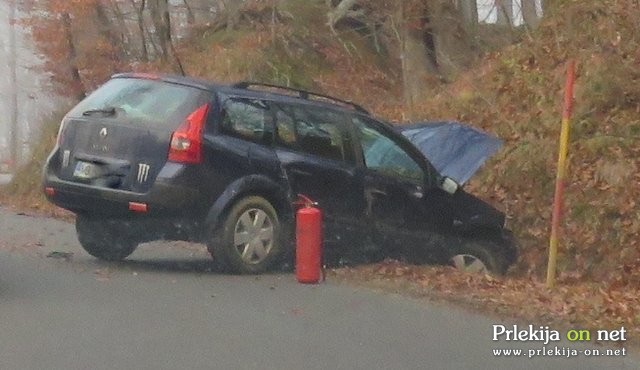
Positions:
(300, 172)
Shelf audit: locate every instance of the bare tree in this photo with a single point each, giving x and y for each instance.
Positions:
(529, 13)
(161, 19)
(504, 9)
(105, 28)
(158, 8)
(469, 10)
(417, 57)
(74, 71)
(121, 30)
(14, 84)
(433, 38)
(139, 9)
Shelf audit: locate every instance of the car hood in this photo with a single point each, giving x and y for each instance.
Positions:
(455, 149)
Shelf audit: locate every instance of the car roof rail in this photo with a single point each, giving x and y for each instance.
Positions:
(304, 94)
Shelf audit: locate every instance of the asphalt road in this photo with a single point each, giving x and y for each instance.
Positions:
(164, 308)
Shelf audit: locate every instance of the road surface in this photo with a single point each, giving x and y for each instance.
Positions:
(164, 308)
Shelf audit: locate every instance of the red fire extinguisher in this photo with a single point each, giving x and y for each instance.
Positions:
(308, 241)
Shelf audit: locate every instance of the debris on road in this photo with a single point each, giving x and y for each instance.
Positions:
(102, 274)
(61, 255)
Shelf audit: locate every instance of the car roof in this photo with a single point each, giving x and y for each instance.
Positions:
(242, 89)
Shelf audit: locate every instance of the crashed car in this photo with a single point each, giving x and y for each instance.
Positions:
(148, 157)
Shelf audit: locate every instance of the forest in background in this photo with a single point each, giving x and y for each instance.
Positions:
(85, 41)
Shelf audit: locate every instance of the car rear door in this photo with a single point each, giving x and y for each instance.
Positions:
(119, 136)
(316, 153)
(237, 146)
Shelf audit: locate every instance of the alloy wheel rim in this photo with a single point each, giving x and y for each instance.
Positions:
(253, 236)
(469, 263)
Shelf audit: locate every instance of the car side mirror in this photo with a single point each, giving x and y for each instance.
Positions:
(449, 185)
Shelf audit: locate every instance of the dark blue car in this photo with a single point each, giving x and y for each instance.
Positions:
(149, 157)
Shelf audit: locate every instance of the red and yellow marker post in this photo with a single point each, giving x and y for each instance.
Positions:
(556, 216)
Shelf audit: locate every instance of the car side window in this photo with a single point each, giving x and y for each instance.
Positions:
(312, 130)
(285, 128)
(382, 154)
(245, 118)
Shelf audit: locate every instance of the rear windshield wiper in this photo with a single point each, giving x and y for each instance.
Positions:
(110, 111)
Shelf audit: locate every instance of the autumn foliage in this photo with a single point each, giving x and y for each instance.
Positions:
(78, 54)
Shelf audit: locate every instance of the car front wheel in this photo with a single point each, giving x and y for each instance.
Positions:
(249, 241)
(479, 257)
(103, 238)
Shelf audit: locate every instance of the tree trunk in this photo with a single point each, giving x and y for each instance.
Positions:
(469, 10)
(176, 60)
(123, 31)
(144, 52)
(162, 24)
(454, 43)
(162, 30)
(529, 13)
(14, 138)
(505, 12)
(74, 72)
(417, 65)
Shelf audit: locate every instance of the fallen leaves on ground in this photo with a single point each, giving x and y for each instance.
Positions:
(32, 206)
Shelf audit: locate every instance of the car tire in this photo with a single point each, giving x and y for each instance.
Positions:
(104, 239)
(249, 240)
(479, 256)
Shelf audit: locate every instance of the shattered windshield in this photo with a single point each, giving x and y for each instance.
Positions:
(384, 155)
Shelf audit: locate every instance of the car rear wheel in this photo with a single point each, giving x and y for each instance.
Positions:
(479, 257)
(250, 239)
(104, 239)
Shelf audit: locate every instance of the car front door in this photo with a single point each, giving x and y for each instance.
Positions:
(406, 211)
(317, 157)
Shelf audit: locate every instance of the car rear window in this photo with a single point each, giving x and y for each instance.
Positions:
(143, 102)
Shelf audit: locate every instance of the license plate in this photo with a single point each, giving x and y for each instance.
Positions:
(85, 170)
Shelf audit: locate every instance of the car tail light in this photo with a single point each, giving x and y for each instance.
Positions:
(186, 141)
(138, 207)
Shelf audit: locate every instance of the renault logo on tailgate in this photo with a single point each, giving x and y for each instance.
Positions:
(143, 172)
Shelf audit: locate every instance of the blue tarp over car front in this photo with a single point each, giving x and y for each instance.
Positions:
(455, 149)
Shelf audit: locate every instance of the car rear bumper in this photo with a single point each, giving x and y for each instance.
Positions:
(162, 200)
